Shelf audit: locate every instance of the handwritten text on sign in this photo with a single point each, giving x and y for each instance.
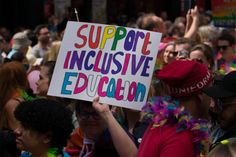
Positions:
(113, 62)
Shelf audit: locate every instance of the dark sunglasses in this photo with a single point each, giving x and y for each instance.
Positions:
(85, 115)
(183, 54)
(174, 53)
(224, 47)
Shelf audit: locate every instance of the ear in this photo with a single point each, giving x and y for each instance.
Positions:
(213, 106)
(200, 96)
(47, 137)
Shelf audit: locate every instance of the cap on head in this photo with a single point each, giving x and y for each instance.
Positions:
(185, 77)
(224, 88)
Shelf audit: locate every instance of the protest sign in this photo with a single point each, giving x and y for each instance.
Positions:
(113, 62)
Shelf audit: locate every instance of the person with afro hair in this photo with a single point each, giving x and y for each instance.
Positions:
(45, 126)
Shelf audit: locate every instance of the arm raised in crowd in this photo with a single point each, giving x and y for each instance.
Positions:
(192, 23)
(122, 142)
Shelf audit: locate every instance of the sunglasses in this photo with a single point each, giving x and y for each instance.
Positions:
(183, 54)
(174, 53)
(224, 47)
(85, 115)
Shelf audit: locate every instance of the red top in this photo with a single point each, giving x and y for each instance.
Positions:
(163, 141)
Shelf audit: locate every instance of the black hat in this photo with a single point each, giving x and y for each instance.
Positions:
(224, 88)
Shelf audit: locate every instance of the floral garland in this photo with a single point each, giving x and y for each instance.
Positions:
(24, 95)
(225, 68)
(165, 111)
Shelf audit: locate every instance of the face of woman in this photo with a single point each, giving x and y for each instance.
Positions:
(169, 54)
(199, 56)
(29, 140)
(43, 82)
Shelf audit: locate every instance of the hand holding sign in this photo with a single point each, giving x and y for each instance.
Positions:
(102, 109)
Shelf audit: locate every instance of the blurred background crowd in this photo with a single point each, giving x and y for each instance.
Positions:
(192, 105)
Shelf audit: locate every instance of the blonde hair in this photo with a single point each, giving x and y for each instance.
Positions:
(207, 33)
(53, 52)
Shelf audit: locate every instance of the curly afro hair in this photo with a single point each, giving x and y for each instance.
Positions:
(43, 116)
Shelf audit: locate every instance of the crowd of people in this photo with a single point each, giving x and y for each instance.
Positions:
(190, 111)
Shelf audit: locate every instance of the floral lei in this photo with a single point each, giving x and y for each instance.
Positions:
(225, 68)
(24, 95)
(165, 111)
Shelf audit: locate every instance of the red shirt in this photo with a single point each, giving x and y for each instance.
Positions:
(164, 141)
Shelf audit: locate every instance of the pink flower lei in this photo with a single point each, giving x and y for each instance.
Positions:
(162, 111)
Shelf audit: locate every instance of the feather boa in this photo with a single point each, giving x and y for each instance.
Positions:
(163, 111)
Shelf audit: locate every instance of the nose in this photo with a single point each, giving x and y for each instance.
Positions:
(170, 55)
(17, 131)
(37, 83)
